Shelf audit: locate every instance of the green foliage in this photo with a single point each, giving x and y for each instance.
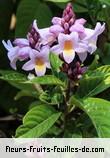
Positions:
(12, 76)
(6, 8)
(95, 82)
(58, 1)
(37, 122)
(28, 11)
(16, 79)
(55, 62)
(105, 2)
(54, 111)
(47, 80)
(97, 109)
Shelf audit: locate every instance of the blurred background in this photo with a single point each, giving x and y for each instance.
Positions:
(15, 19)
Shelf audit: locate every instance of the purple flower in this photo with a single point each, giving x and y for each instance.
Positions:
(23, 49)
(68, 45)
(67, 37)
(68, 23)
(79, 27)
(39, 61)
(92, 37)
(14, 53)
(90, 40)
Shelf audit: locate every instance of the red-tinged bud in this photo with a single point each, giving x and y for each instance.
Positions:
(68, 18)
(71, 22)
(78, 64)
(74, 71)
(66, 26)
(33, 36)
(62, 22)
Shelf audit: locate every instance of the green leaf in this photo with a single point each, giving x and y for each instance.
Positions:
(101, 71)
(47, 80)
(43, 15)
(28, 10)
(37, 122)
(99, 112)
(55, 62)
(106, 53)
(24, 93)
(79, 9)
(88, 87)
(94, 64)
(12, 76)
(6, 10)
(62, 1)
(95, 82)
(25, 15)
(105, 1)
(16, 79)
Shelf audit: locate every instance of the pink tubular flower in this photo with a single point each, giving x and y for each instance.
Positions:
(68, 45)
(23, 49)
(15, 53)
(39, 61)
(64, 28)
(92, 36)
(67, 37)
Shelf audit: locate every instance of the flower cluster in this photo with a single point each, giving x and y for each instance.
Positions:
(67, 37)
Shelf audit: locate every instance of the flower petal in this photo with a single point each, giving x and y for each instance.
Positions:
(7, 45)
(44, 32)
(48, 65)
(13, 64)
(56, 49)
(92, 47)
(82, 56)
(35, 25)
(80, 21)
(29, 65)
(12, 55)
(40, 69)
(24, 53)
(44, 53)
(77, 28)
(82, 47)
(69, 55)
(99, 28)
(21, 42)
(56, 29)
(56, 21)
(73, 37)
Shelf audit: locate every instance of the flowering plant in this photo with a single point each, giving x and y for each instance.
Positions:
(64, 85)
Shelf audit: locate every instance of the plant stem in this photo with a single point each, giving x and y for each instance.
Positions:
(38, 88)
(66, 98)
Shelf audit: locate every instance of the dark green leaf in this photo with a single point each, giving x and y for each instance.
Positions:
(79, 9)
(95, 82)
(58, 1)
(98, 110)
(47, 80)
(105, 2)
(12, 76)
(43, 15)
(29, 10)
(37, 122)
(16, 79)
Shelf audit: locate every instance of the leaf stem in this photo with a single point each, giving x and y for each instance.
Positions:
(66, 98)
